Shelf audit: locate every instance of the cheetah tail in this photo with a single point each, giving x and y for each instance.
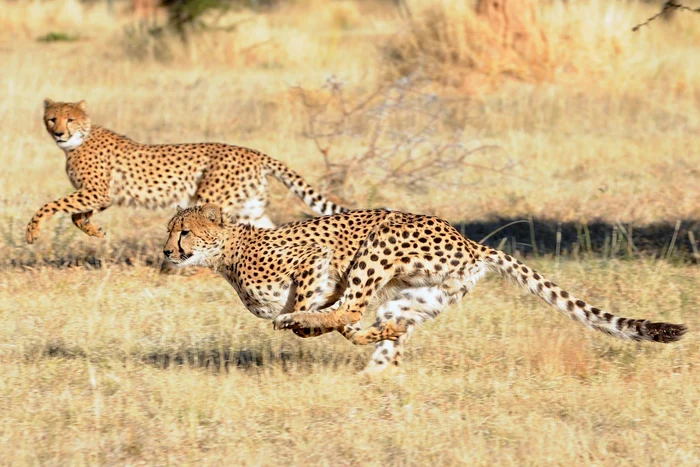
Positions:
(578, 310)
(297, 185)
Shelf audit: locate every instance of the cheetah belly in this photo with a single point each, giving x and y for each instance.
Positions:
(253, 208)
(266, 310)
(128, 189)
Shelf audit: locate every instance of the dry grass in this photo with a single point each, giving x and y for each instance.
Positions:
(90, 358)
(500, 379)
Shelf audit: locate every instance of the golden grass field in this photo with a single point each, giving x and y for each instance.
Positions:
(106, 360)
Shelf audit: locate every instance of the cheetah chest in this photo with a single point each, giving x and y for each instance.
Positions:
(263, 300)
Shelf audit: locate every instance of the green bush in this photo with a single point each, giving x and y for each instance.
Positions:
(184, 16)
(57, 37)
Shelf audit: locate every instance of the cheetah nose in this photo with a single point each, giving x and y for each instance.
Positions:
(59, 133)
(167, 253)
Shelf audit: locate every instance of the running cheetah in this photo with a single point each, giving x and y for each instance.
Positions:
(107, 168)
(321, 274)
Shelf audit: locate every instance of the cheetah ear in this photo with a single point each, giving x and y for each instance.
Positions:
(82, 105)
(48, 103)
(212, 212)
(179, 209)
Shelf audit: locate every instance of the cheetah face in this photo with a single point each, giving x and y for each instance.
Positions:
(196, 236)
(67, 123)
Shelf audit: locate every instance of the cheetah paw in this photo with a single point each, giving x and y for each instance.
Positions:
(95, 231)
(285, 321)
(32, 232)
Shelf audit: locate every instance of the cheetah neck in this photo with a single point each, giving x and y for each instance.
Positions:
(78, 139)
(228, 243)
(216, 260)
(93, 134)
(235, 236)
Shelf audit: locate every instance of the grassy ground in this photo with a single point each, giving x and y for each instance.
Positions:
(112, 362)
(90, 376)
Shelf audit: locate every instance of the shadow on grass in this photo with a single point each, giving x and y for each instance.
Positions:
(247, 358)
(521, 237)
(130, 253)
(223, 359)
(672, 241)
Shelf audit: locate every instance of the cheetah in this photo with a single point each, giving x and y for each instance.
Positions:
(109, 169)
(321, 274)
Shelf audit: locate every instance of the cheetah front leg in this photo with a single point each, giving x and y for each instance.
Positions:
(364, 282)
(82, 221)
(80, 202)
(367, 275)
(313, 286)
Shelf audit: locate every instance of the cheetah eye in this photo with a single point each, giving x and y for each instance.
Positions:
(52, 120)
(184, 233)
(70, 120)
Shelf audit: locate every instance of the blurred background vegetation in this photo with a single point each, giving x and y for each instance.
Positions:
(479, 111)
(551, 117)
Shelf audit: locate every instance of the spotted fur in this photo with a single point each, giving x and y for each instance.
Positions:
(322, 274)
(109, 169)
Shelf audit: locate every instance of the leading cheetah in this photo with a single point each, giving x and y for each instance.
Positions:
(321, 274)
(107, 168)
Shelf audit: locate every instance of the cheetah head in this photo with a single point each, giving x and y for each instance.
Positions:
(196, 236)
(67, 123)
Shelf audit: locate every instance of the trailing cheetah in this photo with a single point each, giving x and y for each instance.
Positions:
(107, 168)
(321, 274)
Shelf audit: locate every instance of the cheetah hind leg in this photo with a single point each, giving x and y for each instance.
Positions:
(388, 354)
(407, 309)
(396, 317)
(305, 333)
(263, 222)
(389, 330)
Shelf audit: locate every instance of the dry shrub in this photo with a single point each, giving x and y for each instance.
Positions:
(474, 48)
(399, 135)
(555, 354)
(518, 35)
(453, 40)
(31, 19)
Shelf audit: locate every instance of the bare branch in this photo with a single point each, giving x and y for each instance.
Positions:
(392, 135)
(669, 5)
